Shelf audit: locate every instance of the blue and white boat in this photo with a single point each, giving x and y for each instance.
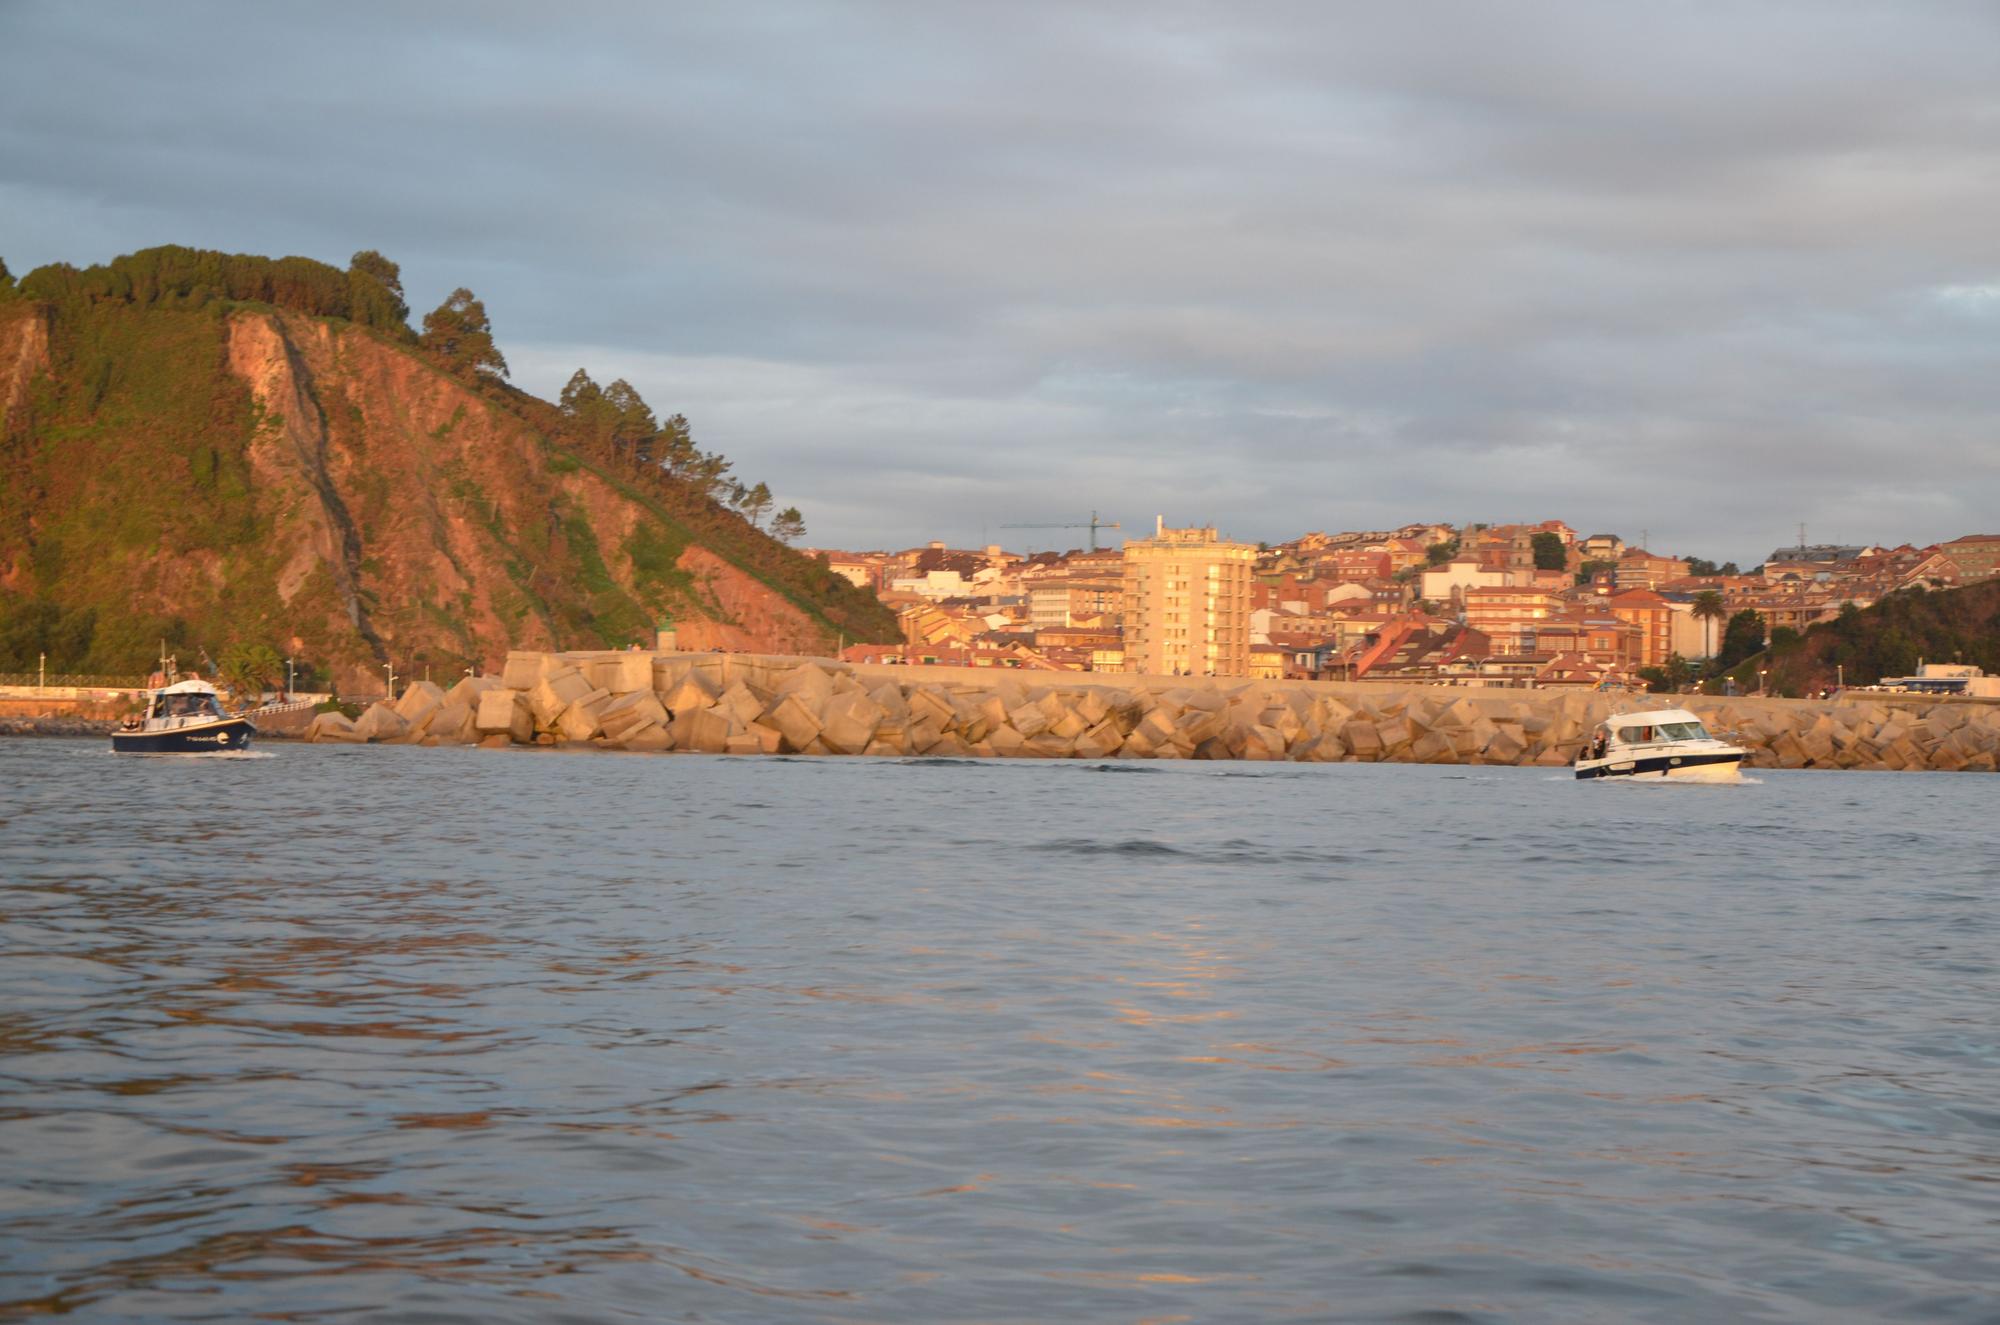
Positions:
(183, 718)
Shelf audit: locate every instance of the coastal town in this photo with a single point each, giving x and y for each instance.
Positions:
(1482, 604)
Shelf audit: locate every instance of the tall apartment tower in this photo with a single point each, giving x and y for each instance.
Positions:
(1187, 603)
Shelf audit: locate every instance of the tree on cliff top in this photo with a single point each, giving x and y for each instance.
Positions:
(459, 332)
(375, 291)
(6, 277)
(788, 525)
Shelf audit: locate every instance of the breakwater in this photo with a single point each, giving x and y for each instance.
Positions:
(747, 704)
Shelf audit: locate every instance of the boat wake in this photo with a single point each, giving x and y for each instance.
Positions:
(195, 754)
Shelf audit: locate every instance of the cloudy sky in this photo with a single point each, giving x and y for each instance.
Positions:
(1706, 270)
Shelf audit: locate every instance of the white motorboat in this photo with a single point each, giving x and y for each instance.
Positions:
(1660, 743)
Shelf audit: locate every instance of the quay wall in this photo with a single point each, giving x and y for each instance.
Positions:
(727, 703)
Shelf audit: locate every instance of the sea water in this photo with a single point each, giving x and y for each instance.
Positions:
(361, 1034)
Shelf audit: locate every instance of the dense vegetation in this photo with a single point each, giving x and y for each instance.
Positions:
(1860, 647)
(125, 479)
(1890, 638)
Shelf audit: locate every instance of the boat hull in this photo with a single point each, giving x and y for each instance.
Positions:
(1710, 766)
(226, 736)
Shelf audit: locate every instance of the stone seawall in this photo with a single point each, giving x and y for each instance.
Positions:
(745, 704)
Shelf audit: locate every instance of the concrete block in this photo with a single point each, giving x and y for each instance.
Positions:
(469, 689)
(1092, 706)
(1101, 741)
(925, 702)
(921, 735)
(649, 737)
(419, 700)
(949, 746)
(890, 699)
(1433, 747)
(1028, 720)
(790, 717)
(1328, 749)
(334, 728)
(743, 703)
(451, 725)
(381, 722)
(1263, 743)
(578, 723)
(1363, 739)
(742, 744)
(811, 683)
(522, 670)
(709, 730)
(1395, 734)
(848, 722)
(629, 674)
(634, 706)
(693, 691)
(555, 692)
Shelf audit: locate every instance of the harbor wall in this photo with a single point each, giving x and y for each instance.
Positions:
(752, 704)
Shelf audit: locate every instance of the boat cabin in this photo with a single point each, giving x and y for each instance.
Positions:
(1659, 727)
(184, 703)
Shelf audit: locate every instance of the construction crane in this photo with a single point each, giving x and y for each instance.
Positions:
(1093, 526)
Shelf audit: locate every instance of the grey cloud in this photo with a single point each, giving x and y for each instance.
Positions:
(1684, 268)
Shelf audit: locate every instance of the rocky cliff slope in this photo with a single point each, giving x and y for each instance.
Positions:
(218, 471)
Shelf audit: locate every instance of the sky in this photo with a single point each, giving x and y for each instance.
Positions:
(1704, 270)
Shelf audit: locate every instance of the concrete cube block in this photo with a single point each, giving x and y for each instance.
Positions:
(848, 722)
(334, 728)
(647, 736)
(418, 701)
(709, 730)
(381, 723)
(521, 671)
(693, 691)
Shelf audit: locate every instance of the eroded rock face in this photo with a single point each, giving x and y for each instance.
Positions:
(750, 704)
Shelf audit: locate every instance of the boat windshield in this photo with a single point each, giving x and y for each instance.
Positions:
(1665, 731)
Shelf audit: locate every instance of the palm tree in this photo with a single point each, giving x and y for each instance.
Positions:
(1709, 609)
(249, 668)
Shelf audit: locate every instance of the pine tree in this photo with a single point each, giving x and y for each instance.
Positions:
(789, 526)
(459, 333)
(375, 292)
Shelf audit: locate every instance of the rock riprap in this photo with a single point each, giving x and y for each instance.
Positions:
(745, 704)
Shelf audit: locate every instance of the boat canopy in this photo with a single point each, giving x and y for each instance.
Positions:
(194, 687)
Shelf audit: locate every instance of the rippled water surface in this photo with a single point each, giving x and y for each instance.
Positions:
(397, 1034)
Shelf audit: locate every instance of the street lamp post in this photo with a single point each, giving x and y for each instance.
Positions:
(42, 673)
(291, 677)
(389, 670)
(1761, 674)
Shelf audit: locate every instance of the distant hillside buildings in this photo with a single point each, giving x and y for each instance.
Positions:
(1482, 605)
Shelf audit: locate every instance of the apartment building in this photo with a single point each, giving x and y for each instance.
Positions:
(1508, 616)
(1187, 603)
